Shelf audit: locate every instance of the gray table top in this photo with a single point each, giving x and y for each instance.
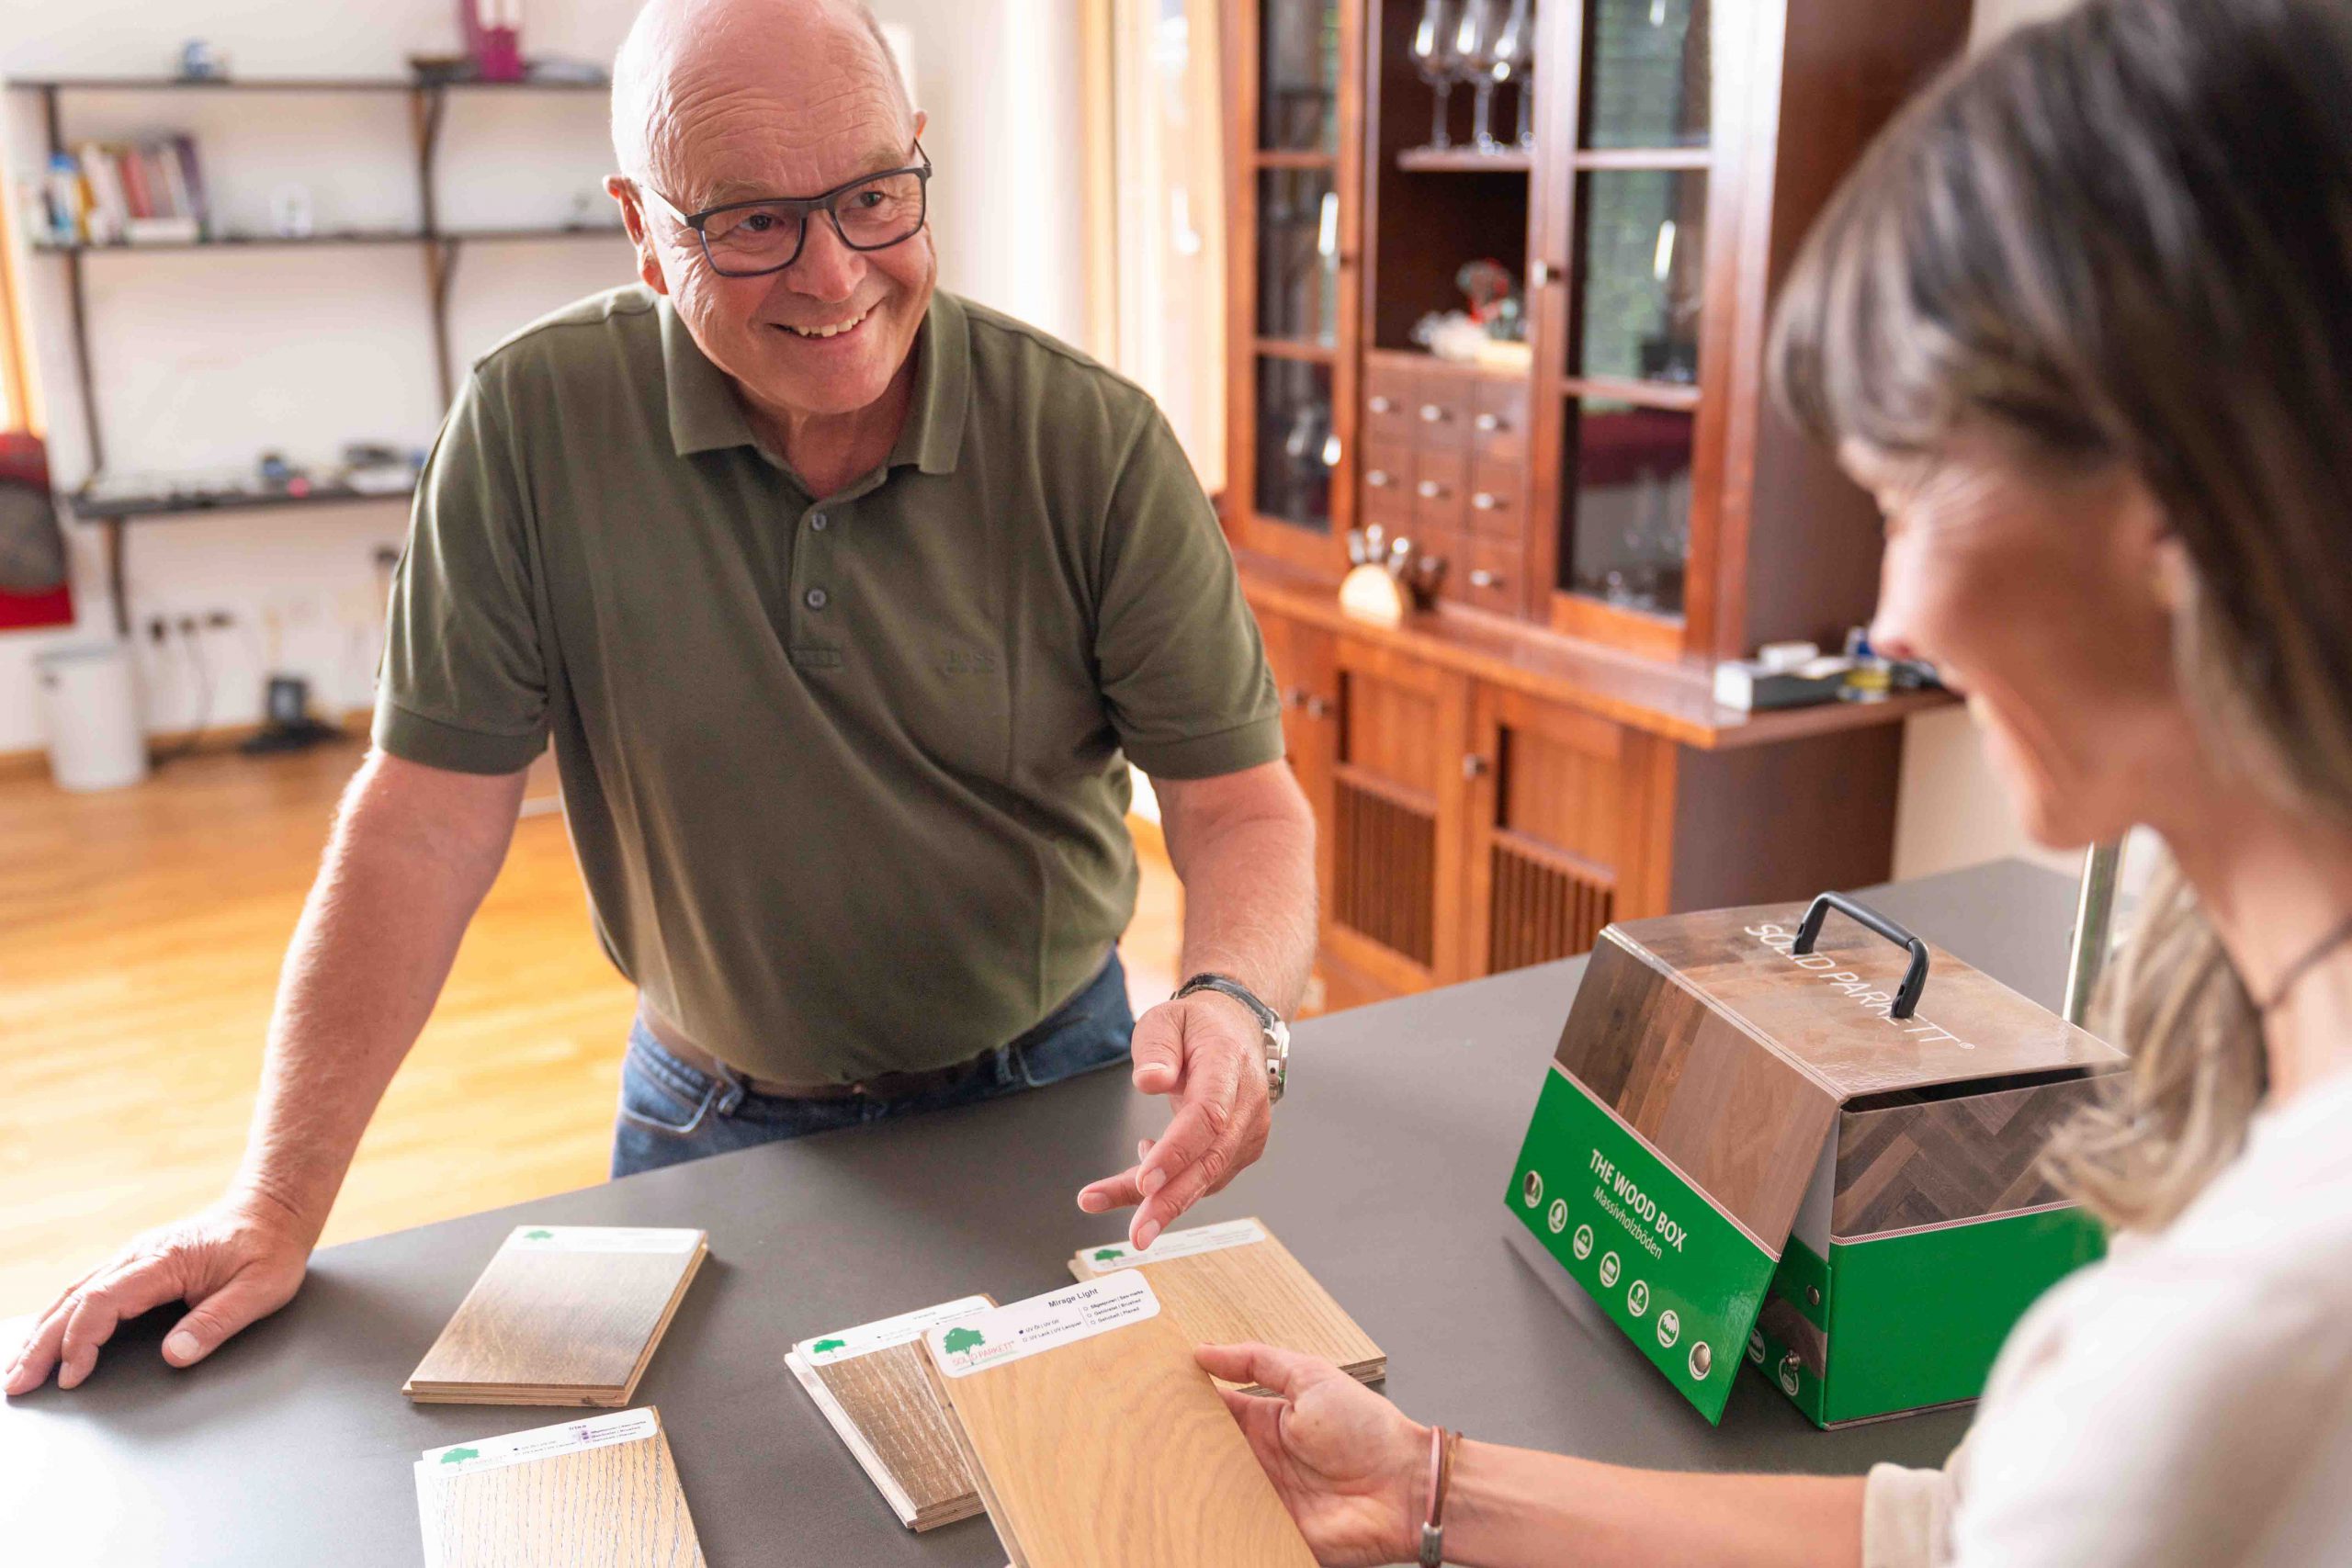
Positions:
(1386, 1176)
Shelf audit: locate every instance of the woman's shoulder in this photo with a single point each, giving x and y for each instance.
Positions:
(2203, 1363)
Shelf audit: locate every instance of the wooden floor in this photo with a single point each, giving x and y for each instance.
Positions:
(141, 932)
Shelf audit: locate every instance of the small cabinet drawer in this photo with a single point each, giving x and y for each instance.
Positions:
(1498, 419)
(1441, 483)
(1386, 472)
(1488, 578)
(1442, 412)
(1390, 396)
(1493, 506)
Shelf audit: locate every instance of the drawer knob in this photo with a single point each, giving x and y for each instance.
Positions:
(1433, 414)
(1483, 501)
(1481, 578)
(1377, 478)
(1430, 490)
(1488, 422)
(1474, 765)
(1381, 405)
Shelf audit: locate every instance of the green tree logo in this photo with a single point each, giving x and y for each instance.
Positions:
(961, 1339)
(459, 1455)
(538, 1236)
(1109, 1254)
(822, 1346)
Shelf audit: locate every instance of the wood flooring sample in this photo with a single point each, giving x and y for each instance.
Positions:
(1222, 1284)
(870, 1382)
(602, 1490)
(564, 1314)
(1098, 1442)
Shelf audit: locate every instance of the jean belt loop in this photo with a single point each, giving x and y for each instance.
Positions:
(732, 1090)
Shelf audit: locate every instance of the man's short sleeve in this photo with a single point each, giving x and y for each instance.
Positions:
(464, 681)
(1182, 667)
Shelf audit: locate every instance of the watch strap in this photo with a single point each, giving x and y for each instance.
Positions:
(1268, 1019)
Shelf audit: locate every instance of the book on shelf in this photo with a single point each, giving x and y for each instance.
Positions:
(107, 193)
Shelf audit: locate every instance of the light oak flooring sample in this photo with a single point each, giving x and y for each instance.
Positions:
(1226, 1283)
(564, 1314)
(1099, 1443)
(600, 1491)
(870, 1383)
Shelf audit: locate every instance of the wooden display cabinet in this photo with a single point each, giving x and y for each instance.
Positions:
(1499, 777)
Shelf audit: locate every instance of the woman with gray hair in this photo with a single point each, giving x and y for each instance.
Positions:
(2081, 320)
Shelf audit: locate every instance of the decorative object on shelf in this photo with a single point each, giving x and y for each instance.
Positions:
(492, 32)
(1475, 38)
(203, 62)
(1389, 576)
(290, 217)
(1435, 59)
(1493, 331)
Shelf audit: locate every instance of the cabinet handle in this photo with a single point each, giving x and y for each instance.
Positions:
(1542, 274)
(1483, 501)
(1430, 490)
(1488, 422)
(1481, 578)
(1472, 766)
(1433, 414)
(1377, 478)
(1381, 405)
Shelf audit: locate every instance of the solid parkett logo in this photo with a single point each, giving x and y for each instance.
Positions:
(961, 1339)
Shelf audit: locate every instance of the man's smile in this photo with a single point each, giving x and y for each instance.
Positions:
(835, 330)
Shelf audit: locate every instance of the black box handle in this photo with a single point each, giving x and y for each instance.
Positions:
(1915, 979)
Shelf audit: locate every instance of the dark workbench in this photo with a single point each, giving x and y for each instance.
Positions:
(1386, 1176)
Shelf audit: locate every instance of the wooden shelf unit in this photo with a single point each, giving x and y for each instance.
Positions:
(1498, 777)
(440, 247)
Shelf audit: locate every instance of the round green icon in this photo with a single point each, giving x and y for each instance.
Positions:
(1582, 1244)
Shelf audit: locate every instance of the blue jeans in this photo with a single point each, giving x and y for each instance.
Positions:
(671, 1112)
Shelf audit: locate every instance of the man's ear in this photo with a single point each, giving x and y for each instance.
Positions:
(640, 234)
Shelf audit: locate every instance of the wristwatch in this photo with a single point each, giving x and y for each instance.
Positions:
(1270, 1027)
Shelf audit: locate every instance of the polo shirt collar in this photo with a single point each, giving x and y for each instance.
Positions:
(706, 416)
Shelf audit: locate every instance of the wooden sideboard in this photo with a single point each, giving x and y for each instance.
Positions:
(1617, 507)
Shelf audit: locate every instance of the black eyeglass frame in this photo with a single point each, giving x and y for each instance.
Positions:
(823, 201)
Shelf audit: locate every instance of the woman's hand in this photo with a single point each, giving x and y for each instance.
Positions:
(1349, 1465)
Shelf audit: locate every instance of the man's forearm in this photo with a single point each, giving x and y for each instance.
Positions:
(405, 868)
(1249, 877)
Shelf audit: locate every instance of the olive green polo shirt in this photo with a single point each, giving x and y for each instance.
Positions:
(847, 775)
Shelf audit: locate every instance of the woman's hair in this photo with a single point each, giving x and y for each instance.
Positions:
(2125, 237)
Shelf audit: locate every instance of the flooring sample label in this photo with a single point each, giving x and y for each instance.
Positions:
(1042, 1323)
(563, 1314)
(870, 1383)
(907, 1327)
(1226, 1283)
(1176, 1244)
(601, 1491)
(541, 1442)
(601, 1238)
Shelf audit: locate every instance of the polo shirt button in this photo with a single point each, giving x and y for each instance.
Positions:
(817, 522)
(816, 599)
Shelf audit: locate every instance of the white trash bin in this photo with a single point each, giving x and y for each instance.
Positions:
(91, 706)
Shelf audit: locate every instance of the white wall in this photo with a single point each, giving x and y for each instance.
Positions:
(203, 360)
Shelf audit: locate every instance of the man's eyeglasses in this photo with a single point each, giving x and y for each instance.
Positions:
(748, 239)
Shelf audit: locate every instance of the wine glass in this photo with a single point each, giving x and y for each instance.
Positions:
(1434, 58)
(1514, 58)
(1474, 37)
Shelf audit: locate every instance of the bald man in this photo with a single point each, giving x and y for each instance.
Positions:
(845, 605)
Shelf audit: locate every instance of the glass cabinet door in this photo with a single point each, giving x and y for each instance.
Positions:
(1642, 246)
(1298, 256)
(1648, 73)
(1298, 75)
(1297, 447)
